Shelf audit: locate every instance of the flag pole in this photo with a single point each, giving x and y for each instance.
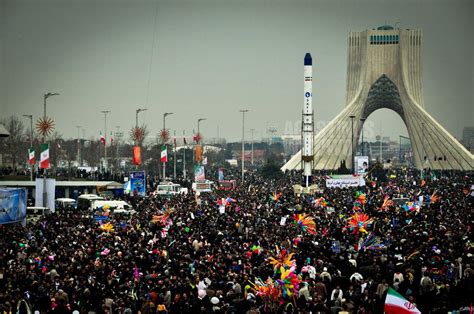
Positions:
(184, 156)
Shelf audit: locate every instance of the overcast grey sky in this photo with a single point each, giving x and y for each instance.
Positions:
(211, 58)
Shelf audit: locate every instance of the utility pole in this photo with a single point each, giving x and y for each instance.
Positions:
(174, 155)
(78, 144)
(31, 142)
(243, 141)
(363, 149)
(45, 194)
(251, 132)
(164, 141)
(105, 112)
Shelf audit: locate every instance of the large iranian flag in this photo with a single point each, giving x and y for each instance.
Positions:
(44, 160)
(164, 154)
(395, 303)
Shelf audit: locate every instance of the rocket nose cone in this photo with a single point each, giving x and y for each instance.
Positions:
(307, 59)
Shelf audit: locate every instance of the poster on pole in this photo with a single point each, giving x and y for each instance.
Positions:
(362, 164)
(199, 175)
(12, 205)
(220, 174)
(138, 183)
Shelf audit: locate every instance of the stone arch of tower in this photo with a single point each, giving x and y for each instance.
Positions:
(384, 71)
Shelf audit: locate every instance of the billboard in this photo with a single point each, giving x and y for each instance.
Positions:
(138, 183)
(362, 164)
(47, 186)
(12, 205)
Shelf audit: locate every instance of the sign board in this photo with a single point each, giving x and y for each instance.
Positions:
(138, 183)
(362, 164)
(12, 205)
(345, 181)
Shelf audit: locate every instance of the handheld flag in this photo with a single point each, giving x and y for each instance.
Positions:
(395, 303)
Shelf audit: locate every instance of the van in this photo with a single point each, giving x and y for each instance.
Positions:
(66, 203)
(116, 207)
(170, 188)
(34, 214)
(84, 201)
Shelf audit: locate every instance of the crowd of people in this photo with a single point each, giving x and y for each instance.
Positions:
(209, 255)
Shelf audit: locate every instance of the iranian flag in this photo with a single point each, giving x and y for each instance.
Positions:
(395, 303)
(31, 155)
(102, 139)
(44, 159)
(164, 154)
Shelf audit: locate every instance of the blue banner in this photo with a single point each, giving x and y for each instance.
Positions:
(138, 183)
(12, 205)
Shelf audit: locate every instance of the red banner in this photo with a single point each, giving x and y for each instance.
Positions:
(137, 156)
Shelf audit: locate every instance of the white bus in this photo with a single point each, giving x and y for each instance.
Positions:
(170, 188)
(85, 201)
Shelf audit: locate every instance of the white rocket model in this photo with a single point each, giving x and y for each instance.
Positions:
(308, 134)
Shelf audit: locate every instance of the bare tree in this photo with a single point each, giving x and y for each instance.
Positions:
(15, 146)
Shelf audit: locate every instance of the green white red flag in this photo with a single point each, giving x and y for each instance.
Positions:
(164, 154)
(395, 303)
(44, 159)
(31, 155)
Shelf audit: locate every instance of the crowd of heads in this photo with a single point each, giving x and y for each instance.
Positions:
(202, 259)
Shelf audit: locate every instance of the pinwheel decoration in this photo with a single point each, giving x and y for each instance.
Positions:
(321, 202)
(137, 134)
(268, 290)
(164, 135)
(371, 242)
(283, 260)
(107, 227)
(386, 203)
(359, 222)
(411, 207)
(289, 282)
(360, 199)
(305, 222)
(197, 138)
(434, 198)
(164, 217)
(44, 126)
(275, 196)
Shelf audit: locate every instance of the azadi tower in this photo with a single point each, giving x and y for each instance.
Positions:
(384, 71)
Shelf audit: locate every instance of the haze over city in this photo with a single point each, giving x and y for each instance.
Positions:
(208, 59)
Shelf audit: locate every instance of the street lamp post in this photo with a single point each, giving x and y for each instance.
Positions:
(352, 141)
(137, 111)
(363, 149)
(31, 141)
(251, 133)
(243, 141)
(165, 139)
(105, 112)
(78, 144)
(45, 194)
(184, 155)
